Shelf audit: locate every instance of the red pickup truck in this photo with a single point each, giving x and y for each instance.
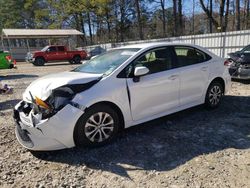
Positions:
(55, 53)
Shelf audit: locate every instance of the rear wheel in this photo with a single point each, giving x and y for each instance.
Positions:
(98, 126)
(214, 95)
(77, 59)
(39, 61)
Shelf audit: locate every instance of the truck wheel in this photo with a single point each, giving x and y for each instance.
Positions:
(39, 61)
(77, 59)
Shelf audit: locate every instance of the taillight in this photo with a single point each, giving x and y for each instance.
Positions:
(8, 58)
(227, 63)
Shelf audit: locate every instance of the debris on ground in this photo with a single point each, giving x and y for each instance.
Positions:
(5, 89)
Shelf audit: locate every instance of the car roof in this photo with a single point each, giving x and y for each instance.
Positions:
(160, 44)
(156, 44)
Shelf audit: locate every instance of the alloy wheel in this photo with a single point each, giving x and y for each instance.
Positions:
(99, 127)
(215, 95)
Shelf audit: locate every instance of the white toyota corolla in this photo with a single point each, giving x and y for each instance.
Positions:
(118, 89)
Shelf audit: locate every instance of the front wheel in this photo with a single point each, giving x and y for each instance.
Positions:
(98, 126)
(214, 95)
(39, 61)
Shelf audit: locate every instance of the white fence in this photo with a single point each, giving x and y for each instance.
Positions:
(219, 43)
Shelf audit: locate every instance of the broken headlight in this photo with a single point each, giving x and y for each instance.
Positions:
(60, 97)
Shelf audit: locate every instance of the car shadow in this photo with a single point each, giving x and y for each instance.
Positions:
(17, 76)
(8, 104)
(168, 142)
(60, 64)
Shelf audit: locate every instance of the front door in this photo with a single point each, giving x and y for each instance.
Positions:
(51, 53)
(158, 91)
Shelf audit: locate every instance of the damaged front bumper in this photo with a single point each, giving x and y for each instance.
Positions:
(53, 133)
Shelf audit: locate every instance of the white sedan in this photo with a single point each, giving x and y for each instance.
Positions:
(123, 87)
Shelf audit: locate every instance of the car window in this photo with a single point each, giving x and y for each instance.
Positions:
(156, 61)
(189, 56)
(52, 49)
(60, 48)
(246, 49)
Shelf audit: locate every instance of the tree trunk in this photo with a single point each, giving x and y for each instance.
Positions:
(122, 26)
(90, 30)
(237, 14)
(175, 16)
(139, 21)
(116, 26)
(221, 13)
(211, 15)
(248, 16)
(226, 16)
(180, 23)
(109, 27)
(84, 39)
(163, 17)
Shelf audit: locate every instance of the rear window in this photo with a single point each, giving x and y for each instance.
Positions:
(189, 56)
(60, 48)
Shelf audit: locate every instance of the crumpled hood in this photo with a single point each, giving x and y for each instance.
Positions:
(43, 86)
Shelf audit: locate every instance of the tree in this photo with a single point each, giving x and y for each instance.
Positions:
(139, 20)
(210, 16)
(180, 23)
(223, 14)
(237, 14)
(175, 17)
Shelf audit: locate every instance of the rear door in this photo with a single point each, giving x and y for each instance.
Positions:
(194, 66)
(62, 53)
(158, 91)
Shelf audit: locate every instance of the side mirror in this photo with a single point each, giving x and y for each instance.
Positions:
(140, 71)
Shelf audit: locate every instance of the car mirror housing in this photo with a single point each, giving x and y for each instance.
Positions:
(141, 71)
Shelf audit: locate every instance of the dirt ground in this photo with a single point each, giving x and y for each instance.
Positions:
(193, 148)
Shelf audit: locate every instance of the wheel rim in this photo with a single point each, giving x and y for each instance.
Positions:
(99, 127)
(215, 95)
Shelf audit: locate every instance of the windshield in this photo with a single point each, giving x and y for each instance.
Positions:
(44, 49)
(107, 62)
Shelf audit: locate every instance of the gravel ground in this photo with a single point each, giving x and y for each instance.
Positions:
(192, 148)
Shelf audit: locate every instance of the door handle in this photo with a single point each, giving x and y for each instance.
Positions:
(204, 68)
(173, 77)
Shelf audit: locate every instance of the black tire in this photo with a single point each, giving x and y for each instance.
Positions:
(71, 61)
(77, 59)
(214, 95)
(82, 136)
(39, 61)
